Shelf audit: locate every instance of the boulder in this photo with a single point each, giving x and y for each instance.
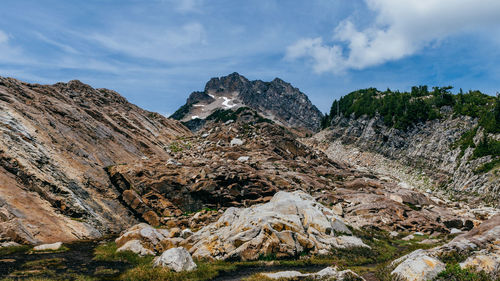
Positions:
(136, 247)
(149, 237)
(48, 247)
(289, 224)
(484, 261)
(177, 259)
(417, 266)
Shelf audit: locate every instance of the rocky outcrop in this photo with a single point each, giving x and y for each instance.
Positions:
(289, 224)
(479, 248)
(425, 155)
(275, 100)
(55, 142)
(176, 259)
(329, 273)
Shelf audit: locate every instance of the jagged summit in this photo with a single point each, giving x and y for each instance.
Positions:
(276, 100)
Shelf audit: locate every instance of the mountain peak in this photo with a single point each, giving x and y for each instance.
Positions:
(276, 100)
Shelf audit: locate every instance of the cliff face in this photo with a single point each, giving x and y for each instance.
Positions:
(276, 100)
(55, 142)
(425, 155)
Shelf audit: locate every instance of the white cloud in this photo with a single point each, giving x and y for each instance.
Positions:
(401, 28)
(172, 44)
(3, 37)
(185, 6)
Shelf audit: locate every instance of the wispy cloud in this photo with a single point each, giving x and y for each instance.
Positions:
(400, 29)
(3, 37)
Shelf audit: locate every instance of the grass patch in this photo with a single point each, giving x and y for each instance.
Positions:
(107, 252)
(5, 251)
(43, 263)
(454, 272)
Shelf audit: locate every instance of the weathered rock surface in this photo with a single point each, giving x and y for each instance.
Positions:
(177, 259)
(289, 224)
(55, 141)
(48, 247)
(136, 247)
(418, 266)
(424, 155)
(329, 273)
(480, 246)
(149, 238)
(275, 100)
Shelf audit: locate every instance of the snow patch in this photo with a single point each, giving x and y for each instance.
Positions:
(212, 96)
(195, 116)
(226, 103)
(198, 105)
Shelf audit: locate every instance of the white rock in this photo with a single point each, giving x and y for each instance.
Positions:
(9, 244)
(455, 231)
(284, 274)
(488, 262)
(324, 274)
(393, 234)
(418, 233)
(205, 135)
(408, 238)
(186, 233)
(149, 236)
(236, 141)
(136, 247)
(177, 259)
(418, 266)
(243, 158)
(290, 223)
(47, 247)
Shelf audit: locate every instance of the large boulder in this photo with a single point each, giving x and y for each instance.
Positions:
(177, 259)
(289, 224)
(418, 266)
(146, 239)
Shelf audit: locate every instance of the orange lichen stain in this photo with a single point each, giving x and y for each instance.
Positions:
(430, 263)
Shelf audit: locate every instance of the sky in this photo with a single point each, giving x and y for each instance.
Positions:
(156, 52)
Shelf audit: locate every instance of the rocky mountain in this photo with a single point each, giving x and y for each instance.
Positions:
(445, 143)
(276, 100)
(55, 142)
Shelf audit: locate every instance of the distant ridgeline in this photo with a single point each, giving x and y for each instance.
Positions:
(401, 110)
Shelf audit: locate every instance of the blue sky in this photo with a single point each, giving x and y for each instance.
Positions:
(157, 52)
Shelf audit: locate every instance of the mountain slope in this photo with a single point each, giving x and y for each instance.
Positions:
(275, 100)
(432, 139)
(55, 142)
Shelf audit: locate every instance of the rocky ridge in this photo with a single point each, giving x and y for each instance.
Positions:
(56, 141)
(276, 100)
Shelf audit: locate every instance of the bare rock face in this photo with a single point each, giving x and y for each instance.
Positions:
(426, 155)
(480, 246)
(286, 226)
(55, 141)
(275, 100)
(177, 259)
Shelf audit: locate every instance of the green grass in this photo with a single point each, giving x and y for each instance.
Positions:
(5, 251)
(107, 252)
(454, 272)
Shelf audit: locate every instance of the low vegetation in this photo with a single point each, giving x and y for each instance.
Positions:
(454, 272)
